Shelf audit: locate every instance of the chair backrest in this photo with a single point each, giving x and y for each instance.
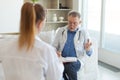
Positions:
(90, 69)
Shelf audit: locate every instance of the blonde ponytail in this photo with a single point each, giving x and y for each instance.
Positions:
(27, 26)
(31, 14)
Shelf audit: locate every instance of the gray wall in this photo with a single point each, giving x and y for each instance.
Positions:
(10, 15)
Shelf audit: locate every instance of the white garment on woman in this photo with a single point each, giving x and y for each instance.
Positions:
(40, 63)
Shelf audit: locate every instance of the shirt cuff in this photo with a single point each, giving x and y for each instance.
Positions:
(89, 53)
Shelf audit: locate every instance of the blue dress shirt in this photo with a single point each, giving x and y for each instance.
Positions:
(69, 48)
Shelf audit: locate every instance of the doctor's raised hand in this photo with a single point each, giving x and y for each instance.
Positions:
(87, 45)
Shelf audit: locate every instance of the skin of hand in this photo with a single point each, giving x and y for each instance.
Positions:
(87, 45)
(59, 53)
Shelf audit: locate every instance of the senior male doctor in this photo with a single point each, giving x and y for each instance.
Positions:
(72, 41)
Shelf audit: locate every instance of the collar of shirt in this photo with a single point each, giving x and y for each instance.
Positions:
(37, 38)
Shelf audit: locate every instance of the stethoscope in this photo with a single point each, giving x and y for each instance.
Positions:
(78, 41)
(78, 35)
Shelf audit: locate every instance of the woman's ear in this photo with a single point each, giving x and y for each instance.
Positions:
(39, 25)
(80, 22)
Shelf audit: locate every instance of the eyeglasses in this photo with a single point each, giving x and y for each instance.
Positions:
(72, 23)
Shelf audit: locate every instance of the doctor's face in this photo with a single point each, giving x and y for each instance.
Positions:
(73, 22)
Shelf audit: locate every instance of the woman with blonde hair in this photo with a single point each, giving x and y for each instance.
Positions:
(28, 57)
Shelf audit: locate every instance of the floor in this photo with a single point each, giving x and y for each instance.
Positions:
(106, 72)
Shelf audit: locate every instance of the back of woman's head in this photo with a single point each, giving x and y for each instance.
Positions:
(30, 15)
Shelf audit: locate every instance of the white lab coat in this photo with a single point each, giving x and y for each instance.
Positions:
(80, 38)
(41, 63)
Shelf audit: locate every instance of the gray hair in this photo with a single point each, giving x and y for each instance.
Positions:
(74, 14)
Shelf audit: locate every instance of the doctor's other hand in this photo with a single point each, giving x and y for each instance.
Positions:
(87, 45)
(59, 53)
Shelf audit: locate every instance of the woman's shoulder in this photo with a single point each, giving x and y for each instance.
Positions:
(45, 48)
(8, 45)
(8, 42)
(43, 45)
